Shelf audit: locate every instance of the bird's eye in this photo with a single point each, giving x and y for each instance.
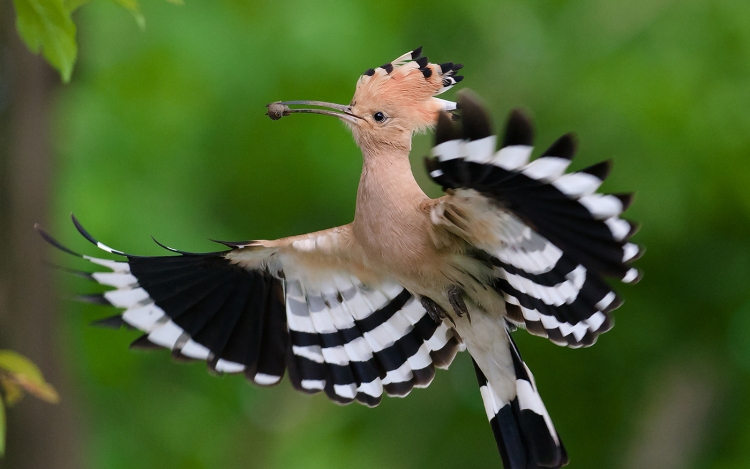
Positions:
(378, 116)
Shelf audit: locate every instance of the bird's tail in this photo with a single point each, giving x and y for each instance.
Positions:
(523, 430)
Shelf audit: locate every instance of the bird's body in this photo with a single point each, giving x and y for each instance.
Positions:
(375, 306)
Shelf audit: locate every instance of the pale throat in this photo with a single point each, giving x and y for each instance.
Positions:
(388, 211)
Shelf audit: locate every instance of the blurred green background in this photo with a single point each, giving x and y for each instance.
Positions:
(162, 132)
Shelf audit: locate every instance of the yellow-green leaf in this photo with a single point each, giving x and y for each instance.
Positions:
(135, 9)
(40, 389)
(46, 25)
(73, 5)
(13, 392)
(23, 372)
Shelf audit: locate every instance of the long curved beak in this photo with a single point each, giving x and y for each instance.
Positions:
(280, 109)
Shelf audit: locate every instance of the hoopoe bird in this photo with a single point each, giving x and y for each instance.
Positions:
(373, 307)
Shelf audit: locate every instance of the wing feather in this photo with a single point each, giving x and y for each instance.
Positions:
(550, 236)
(263, 307)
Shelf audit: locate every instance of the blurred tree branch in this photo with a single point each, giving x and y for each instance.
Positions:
(38, 436)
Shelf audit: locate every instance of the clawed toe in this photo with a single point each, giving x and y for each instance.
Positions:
(436, 312)
(455, 297)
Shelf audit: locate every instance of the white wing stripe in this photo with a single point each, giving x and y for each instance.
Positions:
(311, 352)
(551, 323)
(439, 338)
(335, 355)
(399, 375)
(449, 150)
(348, 391)
(266, 380)
(143, 317)
(373, 388)
(482, 150)
(357, 307)
(313, 384)
(421, 358)
(630, 250)
(602, 206)
(619, 228)
(596, 320)
(126, 298)
(577, 184)
(298, 316)
(512, 157)
(606, 301)
(546, 168)
(166, 335)
(359, 350)
(226, 366)
(115, 279)
(564, 292)
(121, 267)
(195, 350)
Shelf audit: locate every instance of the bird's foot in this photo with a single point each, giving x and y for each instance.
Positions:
(456, 299)
(436, 312)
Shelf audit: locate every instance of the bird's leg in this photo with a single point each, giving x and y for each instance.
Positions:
(455, 297)
(436, 312)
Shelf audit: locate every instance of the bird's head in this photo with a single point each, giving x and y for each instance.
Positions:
(390, 103)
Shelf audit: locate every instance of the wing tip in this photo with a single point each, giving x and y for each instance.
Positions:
(519, 129)
(564, 147)
(476, 122)
(111, 322)
(53, 242)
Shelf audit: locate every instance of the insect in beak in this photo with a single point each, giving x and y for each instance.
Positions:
(280, 109)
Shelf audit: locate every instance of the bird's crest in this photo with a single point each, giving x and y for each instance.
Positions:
(410, 81)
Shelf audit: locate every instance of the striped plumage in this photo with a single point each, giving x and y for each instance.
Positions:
(550, 275)
(375, 306)
(334, 333)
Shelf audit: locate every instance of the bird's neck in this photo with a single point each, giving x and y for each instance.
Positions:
(388, 201)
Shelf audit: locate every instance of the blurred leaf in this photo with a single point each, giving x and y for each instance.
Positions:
(135, 9)
(73, 5)
(13, 392)
(23, 372)
(46, 26)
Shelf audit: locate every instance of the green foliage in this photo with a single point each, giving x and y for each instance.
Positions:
(47, 27)
(19, 374)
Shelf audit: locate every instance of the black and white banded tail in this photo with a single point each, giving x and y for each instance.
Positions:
(524, 433)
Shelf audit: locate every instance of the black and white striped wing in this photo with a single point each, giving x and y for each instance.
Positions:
(330, 330)
(550, 236)
(355, 341)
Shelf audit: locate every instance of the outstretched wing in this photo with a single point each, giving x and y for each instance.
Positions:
(263, 307)
(550, 236)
